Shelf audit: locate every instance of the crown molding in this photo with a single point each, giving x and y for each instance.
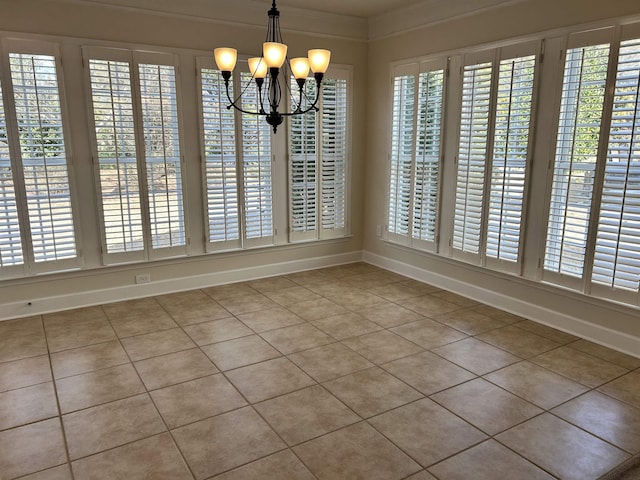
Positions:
(247, 13)
(426, 13)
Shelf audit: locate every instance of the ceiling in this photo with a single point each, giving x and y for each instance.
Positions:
(356, 8)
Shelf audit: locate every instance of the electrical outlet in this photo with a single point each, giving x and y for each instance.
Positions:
(143, 278)
(379, 230)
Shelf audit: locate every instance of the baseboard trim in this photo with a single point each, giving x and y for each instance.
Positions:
(607, 337)
(88, 298)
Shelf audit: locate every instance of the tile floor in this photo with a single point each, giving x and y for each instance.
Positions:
(347, 372)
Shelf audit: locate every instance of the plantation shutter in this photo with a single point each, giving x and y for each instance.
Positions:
(402, 147)
(159, 104)
(11, 253)
(44, 160)
(220, 161)
(303, 160)
(472, 156)
(427, 157)
(581, 112)
(510, 158)
(617, 249)
(256, 169)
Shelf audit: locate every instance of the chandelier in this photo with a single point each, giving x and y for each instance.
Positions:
(274, 61)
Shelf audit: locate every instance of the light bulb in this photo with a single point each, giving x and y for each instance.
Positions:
(300, 67)
(258, 67)
(319, 60)
(226, 58)
(274, 54)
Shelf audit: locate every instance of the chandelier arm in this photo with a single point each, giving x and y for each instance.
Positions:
(232, 103)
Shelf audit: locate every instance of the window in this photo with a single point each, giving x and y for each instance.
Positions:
(37, 228)
(237, 162)
(416, 154)
(318, 152)
(137, 151)
(593, 235)
(493, 154)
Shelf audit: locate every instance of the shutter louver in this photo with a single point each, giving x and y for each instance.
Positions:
(510, 152)
(581, 107)
(472, 153)
(256, 163)
(43, 155)
(10, 239)
(334, 153)
(401, 154)
(116, 145)
(220, 159)
(428, 150)
(303, 155)
(162, 154)
(617, 249)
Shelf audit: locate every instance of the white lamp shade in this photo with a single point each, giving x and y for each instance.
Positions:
(300, 67)
(274, 54)
(225, 58)
(258, 67)
(319, 60)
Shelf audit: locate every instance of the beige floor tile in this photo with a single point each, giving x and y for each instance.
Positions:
(31, 448)
(488, 461)
(247, 303)
(390, 315)
(67, 333)
(477, 356)
(271, 283)
(469, 321)
(279, 466)
(614, 421)
(428, 373)
(428, 334)
(536, 384)
(63, 472)
(608, 354)
(423, 475)
(547, 332)
(156, 344)
(240, 352)
(455, 298)
(154, 458)
(626, 388)
(305, 414)
(518, 341)
(195, 306)
(356, 300)
(270, 319)
(296, 338)
(174, 368)
(396, 292)
(196, 400)
(373, 391)
(367, 281)
(356, 452)
(131, 325)
(423, 430)
(95, 388)
(578, 366)
(24, 373)
(562, 449)
(217, 331)
(88, 359)
(330, 288)
(424, 288)
(27, 405)
(346, 325)
(291, 295)
(310, 276)
(489, 408)
(227, 441)
(75, 315)
(19, 343)
(330, 361)
(182, 300)
(140, 307)
(498, 314)
(268, 379)
(316, 309)
(382, 347)
(230, 290)
(429, 306)
(111, 425)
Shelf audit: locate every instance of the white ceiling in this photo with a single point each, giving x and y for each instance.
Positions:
(356, 8)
